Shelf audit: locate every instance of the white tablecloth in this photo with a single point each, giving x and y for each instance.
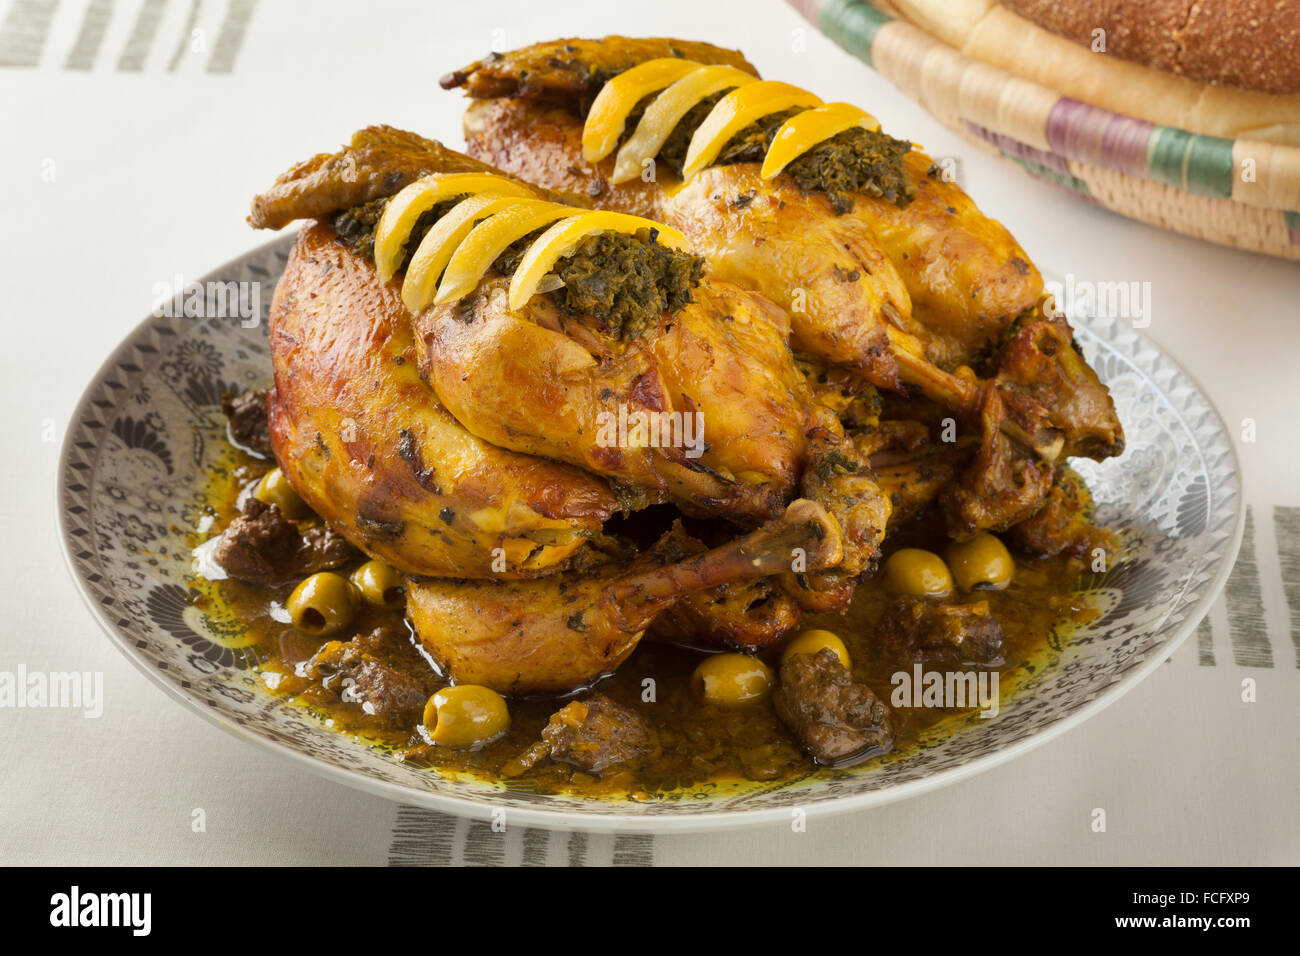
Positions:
(135, 133)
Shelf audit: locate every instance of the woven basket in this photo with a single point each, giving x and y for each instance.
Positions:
(1162, 175)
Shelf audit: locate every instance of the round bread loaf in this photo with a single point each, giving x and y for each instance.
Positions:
(1249, 44)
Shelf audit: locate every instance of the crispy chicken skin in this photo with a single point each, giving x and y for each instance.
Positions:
(561, 69)
(960, 271)
(515, 636)
(930, 296)
(368, 446)
(966, 275)
(839, 287)
(541, 142)
(829, 273)
(562, 632)
(723, 356)
(378, 161)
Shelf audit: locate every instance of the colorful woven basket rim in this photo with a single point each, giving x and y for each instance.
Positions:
(1074, 130)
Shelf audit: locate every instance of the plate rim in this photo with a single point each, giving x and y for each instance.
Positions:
(569, 818)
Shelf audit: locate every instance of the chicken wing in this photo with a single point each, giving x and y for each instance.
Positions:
(576, 67)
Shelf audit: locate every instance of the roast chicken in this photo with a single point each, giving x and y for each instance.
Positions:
(467, 349)
(462, 441)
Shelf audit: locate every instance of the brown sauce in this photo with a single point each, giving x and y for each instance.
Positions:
(706, 750)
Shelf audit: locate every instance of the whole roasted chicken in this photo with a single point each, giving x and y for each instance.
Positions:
(472, 377)
(669, 353)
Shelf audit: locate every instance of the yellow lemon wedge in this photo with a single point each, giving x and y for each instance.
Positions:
(617, 98)
(667, 110)
(440, 242)
(488, 239)
(561, 238)
(734, 112)
(805, 130)
(402, 211)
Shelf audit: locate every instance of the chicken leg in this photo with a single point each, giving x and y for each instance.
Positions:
(556, 634)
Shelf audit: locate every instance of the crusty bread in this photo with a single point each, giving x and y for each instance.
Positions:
(991, 33)
(1249, 44)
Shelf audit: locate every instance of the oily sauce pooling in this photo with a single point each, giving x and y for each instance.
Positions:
(700, 748)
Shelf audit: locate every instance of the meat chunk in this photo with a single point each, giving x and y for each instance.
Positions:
(322, 549)
(247, 421)
(380, 673)
(592, 735)
(745, 614)
(1063, 525)
(259, 544)
(928, 631)
(1002, 485)
(838, 720)
(1043, 370)
(263, 546)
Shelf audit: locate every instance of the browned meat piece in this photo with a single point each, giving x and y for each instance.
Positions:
(247, 423)
(262, 546)
(259, 544)
(1063, 525)
(928, 631)
(744, 614)
(592, 735)
(563, 69)
(838, 720)
(370, 448)
(1002, 486)
(910, 468)
(380, 673)
(913, 487)
(379, 162)
(322, 549)
(1043, 378)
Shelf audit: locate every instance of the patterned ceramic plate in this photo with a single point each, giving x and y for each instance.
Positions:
(149, 429)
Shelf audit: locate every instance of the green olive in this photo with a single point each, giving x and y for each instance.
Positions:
(275, 489)
(732, 679)
(981, 564)
(466, 715)
(810, 642)
(919, 573)
(323, 604)
(380, 584)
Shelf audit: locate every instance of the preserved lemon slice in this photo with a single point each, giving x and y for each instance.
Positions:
(667, 111)
(734, 112)
(438, 244)
(487, 240)
(616, 99)
(402, 211)
(805, 130)
(559, 241)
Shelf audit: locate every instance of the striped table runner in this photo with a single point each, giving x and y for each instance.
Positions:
(157, 34)
(211, 76)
